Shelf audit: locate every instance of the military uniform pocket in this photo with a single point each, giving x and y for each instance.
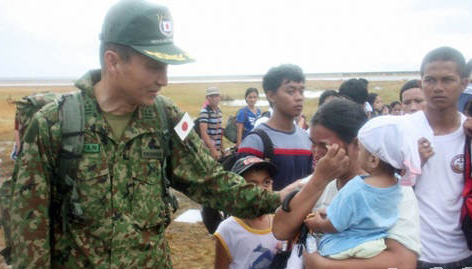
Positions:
(93, 187)
(148, 207)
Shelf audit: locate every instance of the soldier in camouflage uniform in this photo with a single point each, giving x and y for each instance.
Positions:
(120, 174)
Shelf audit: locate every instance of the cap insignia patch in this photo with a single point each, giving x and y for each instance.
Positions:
(165, 26)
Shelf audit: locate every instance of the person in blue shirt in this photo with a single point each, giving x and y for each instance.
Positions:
(247, 115)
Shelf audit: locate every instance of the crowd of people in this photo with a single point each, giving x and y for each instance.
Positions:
(370, 190)
(387, 146)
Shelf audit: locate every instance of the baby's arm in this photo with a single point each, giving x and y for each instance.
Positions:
(317, 222)
(425, 149)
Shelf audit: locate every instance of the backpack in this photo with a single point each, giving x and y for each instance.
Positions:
(466, 210)
(211, 217)
(71, 105)
(231, 130)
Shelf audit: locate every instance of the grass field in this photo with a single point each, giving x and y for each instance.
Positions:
(190, 96)
(190, 245)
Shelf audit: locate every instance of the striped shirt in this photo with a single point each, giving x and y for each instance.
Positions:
(213, 119)
(292, 153)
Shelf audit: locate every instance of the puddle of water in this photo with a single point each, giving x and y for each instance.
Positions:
(190, 216)
(242, 102)
(312, 94)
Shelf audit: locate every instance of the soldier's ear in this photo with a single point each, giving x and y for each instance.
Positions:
(111, 61)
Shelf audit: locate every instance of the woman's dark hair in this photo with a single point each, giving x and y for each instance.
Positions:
(249, 91)
(342, 116)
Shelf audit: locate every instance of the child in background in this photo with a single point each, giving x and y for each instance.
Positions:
(365, 208)
(248, 243)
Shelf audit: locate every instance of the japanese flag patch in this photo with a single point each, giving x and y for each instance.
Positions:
(184, 126)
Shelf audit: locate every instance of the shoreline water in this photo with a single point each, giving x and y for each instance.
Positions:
(371, 76)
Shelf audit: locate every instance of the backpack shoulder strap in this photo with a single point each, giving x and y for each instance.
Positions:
(72, 118)
(72, 121)
(267, 143)
(165, 144)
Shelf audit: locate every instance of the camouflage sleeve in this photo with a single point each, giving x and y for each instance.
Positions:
(30, 201)
(199, 176)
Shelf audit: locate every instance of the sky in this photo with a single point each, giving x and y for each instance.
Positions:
(59, 38)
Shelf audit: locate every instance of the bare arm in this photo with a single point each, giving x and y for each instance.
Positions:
(208, 142)
(287, 224)
(222, 260)
(395, 256)
(240, 128)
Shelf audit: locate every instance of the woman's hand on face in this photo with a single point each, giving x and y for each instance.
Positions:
(333, 164)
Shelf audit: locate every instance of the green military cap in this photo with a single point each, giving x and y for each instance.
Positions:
(145, 27)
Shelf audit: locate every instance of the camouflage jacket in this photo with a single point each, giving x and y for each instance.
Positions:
(120, 191)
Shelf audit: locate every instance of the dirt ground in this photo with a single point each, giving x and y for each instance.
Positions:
(191, 246)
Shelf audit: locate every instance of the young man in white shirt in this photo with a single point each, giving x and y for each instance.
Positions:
(439, 188)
